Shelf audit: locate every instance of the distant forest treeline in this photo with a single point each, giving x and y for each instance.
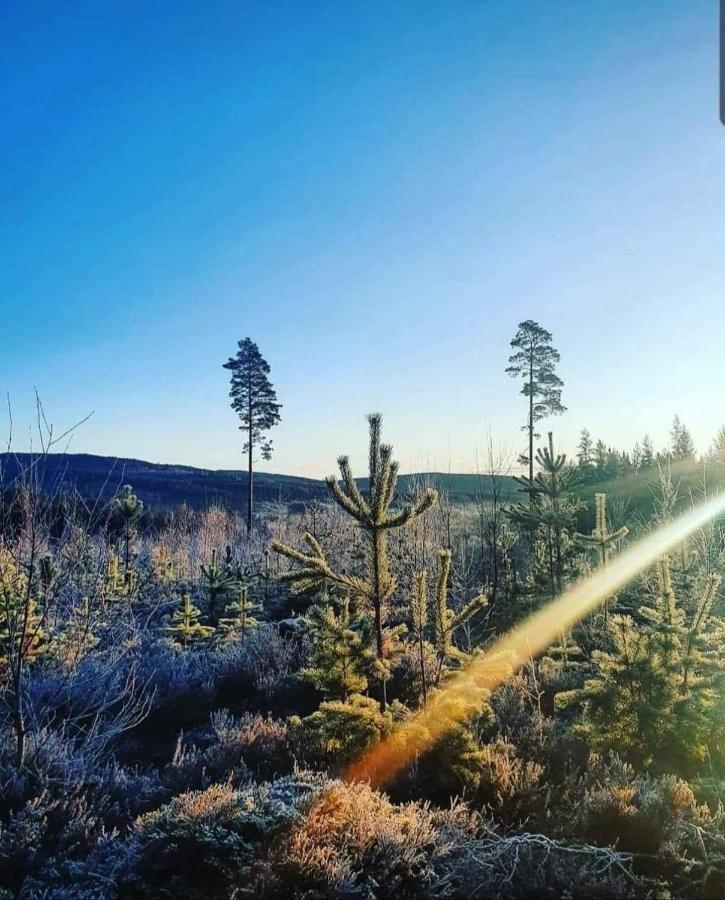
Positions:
(626, 476)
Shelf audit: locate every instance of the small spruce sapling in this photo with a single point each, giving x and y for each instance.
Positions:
(218, 582)
(185, 627)
(602, 539)
(239, 616)
(373, 514)
(340, 661)
(551, 512)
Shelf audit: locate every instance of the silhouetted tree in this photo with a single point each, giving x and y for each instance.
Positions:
(128, 508)
(255, 402)
(585, 450)
(683, 446)
(218, 582)
(717, 451)
(534, 362)
(647, 459)
(600, 458)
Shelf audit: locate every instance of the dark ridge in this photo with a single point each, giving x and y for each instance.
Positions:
(163, 485)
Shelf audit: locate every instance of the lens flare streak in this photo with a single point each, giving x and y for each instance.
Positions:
(468, 689)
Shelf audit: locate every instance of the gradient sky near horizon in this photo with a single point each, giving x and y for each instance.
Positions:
(377, 193)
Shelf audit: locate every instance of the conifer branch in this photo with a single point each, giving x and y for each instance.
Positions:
(353, 491)
(343, 500)
(409, 513)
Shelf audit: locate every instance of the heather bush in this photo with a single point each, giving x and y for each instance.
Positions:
(47, 843)
(510, 787)
(230, 750)
(203, 844)
(353, 842)
(612, 805)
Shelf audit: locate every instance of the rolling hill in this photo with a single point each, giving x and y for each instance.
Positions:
(162, 486)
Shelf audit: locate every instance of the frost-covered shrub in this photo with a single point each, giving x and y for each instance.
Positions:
(353, 841)
(260, 741)
(533, 866)
(44, 842)
(508, 785)
(350, 841)
(202, 844)
(490, 775)
(519, 719)
(231, 750)
(612, 805)
(265, 662)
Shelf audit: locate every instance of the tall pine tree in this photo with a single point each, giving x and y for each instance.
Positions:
(255, 401)
(534, 360)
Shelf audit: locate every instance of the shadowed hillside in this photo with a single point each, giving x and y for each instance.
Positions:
(163, 486)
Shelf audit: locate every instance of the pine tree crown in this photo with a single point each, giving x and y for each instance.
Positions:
(252, 395)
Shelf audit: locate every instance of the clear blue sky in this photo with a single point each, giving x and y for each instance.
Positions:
(376, 192)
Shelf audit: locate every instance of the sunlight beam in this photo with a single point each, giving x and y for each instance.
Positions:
(464, 695)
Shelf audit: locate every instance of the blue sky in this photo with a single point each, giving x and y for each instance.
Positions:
(376, 193)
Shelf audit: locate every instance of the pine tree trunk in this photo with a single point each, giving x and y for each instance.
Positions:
(531, 425)
(422, 668)
(606, 599)
(378, 540)
(18, 717)
(494, 557)
(250, 483)
(19, 726)
(250, 450)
